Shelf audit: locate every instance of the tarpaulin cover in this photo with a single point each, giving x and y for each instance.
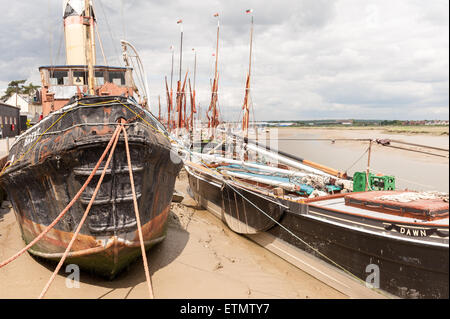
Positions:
(428, 209)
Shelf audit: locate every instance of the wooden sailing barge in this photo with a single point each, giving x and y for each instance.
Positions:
(411, 250)
(48, 164)
(270, 203)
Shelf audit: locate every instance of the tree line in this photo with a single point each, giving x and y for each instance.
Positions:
(19, 87)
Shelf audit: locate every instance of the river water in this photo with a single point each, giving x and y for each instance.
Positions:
(413, 171)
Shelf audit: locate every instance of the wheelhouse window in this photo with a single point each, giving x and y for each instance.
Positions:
(99, 77)
(59, 77)
(80, 77)
(118, 78)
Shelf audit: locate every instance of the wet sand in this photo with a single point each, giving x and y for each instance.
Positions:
(200, 258)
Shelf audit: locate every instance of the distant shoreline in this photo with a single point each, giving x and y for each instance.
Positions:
(408, 130)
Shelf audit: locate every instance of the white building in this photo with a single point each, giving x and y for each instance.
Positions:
(27, 105)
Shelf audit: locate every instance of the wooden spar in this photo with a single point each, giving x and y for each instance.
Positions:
(171, 72)
(180, 98)
(179, 93)
(259, 167)
(210, 106)
(290, 159)
(185, 124)
(245, 107)
(159, 108)
(170, 95)
(193, 109)
(188, 123)
(169, 105)
(181, 50)
(184, 98)
(213, 120)
(90, 38)
(195, 66)
(368, 165)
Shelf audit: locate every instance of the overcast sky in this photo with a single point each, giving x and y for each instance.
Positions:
(312, 59)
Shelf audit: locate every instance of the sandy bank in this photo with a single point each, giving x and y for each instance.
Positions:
(200, 258)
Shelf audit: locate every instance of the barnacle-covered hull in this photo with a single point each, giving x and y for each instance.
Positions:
(52, 161)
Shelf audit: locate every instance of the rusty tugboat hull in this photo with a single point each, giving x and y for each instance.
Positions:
(43, 179)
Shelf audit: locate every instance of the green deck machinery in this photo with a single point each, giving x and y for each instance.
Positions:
(376, 183)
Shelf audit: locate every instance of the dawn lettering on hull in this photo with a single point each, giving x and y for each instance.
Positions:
(415, 232)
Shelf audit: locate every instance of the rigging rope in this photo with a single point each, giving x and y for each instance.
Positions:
(113, 142)
(65, 210)
(417, 151)
(358, 159)
(111, 34)
(83, 219)
(420, 145)
(50, 34)
(59, 47)
(304, 242)
(138, 220)
(283, 227)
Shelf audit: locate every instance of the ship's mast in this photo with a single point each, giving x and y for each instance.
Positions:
(193, 107)
(214, 116)
(169, 121)
(90, 39)
(179, 92)
(246, 106)
(169, 106)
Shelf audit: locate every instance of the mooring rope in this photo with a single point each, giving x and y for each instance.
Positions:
(66, 209)
(304, 242)
(83, 219)
(138, 220)
(288, 230)
(416, 151)
(362, 155)
(112, 143)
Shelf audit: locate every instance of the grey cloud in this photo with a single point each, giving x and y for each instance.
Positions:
(312, 58)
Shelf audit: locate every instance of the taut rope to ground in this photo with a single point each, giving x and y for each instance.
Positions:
(83, 219)
(138, 220)
(65, 210)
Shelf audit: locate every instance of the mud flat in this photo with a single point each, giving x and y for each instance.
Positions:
(200, 258)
